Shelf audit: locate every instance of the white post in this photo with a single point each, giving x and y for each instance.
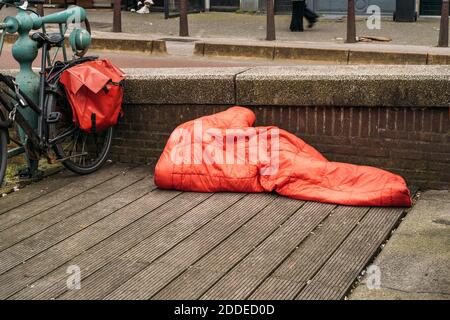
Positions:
(207, 5)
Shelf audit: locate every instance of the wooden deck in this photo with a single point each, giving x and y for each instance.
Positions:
(133, 241)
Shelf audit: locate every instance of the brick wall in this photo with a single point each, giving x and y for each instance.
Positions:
(413, 142)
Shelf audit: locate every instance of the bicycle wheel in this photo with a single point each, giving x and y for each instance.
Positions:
(3, 154)
(82, 152)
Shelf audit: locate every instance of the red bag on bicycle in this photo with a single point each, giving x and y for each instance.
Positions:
(95, 93)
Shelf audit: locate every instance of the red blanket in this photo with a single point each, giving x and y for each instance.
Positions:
(224, 152)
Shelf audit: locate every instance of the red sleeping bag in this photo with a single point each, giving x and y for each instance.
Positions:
(223, 152)
(95, 94)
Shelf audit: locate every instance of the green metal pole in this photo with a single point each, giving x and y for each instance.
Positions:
(24, 52)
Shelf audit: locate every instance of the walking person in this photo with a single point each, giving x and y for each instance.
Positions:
(300, 11)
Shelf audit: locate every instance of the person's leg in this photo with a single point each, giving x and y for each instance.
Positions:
(297, 15)
(129, 4)
(311, 16)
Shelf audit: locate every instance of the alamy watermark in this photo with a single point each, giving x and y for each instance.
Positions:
(373, 277)
(73, 282)
(374, 20)
(233, 146)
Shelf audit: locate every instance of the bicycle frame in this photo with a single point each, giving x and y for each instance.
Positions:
(14, 116)
(49, 91)
(33, 115)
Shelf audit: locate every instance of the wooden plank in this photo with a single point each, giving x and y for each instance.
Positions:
(204, 273)
(162, 241)
(165, 239)
(50, 217)
(33, 191)
(105, 280)
(277, 289)
(193, 283)
(288, 279)
(246, 276)
(41, 204)
(53, 285)
(40, 265)
(153, 278)
(43, 240)
(337, 275)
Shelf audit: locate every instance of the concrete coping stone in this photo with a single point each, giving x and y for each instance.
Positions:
(375, 85)
(181, 85)
(345, 85)
(359, 86)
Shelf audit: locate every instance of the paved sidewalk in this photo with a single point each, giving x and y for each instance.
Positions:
(252, 26)
(415, 264)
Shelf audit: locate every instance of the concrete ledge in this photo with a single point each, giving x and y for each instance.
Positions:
(230, 50)
(199, 48)
(327, 52)
(358, 86)
(435, 58)
(336, 56)
(153, 46)
(386, 57)
(345, 86)
(147, 46)
(181, 86)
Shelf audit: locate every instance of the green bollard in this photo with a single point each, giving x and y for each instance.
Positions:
(25, 52)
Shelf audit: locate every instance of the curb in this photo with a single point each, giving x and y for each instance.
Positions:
(383, 57)
(147, 46)
(336, 56)
(222, 49)
(312, 54)
(152, 46)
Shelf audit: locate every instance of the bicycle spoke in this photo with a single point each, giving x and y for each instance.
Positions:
(74, 149)
(83, 158)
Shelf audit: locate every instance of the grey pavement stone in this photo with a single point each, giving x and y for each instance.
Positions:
(415, 264)
(437, 195)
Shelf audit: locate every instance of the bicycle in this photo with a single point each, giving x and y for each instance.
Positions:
(56, 137)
